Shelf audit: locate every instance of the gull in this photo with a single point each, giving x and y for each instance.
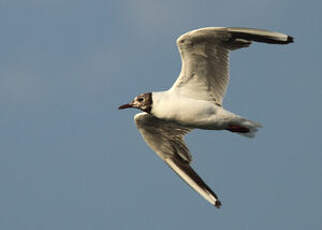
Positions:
(195, 101)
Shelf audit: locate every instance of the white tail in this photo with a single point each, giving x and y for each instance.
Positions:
(244, 127)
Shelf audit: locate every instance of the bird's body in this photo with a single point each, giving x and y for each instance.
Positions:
(190, 112)
(186, 111)
(196, 98)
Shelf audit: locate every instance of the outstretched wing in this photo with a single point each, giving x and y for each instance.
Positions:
(205, 62)
(166, 139)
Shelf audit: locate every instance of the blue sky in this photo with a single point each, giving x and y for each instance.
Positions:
(70, 160)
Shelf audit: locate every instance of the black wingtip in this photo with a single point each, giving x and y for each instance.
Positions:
(217, 204)
(290, 39)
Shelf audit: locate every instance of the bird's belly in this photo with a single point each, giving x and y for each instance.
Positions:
(202, 115)
(210, 122)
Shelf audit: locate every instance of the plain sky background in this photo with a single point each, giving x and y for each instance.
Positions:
(70, 160)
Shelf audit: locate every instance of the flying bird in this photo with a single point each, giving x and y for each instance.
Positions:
(195, 101)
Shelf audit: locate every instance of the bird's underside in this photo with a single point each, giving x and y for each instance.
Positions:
(204, 76)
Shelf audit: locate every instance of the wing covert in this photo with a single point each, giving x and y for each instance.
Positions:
(165, 138)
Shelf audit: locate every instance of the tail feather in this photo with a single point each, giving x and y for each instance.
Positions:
(244, 127)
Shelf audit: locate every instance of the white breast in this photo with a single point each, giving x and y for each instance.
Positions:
(187, 111)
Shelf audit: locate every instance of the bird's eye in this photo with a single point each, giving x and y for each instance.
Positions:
(140, 99)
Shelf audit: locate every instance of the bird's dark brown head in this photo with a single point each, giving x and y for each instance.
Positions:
(142, 102)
